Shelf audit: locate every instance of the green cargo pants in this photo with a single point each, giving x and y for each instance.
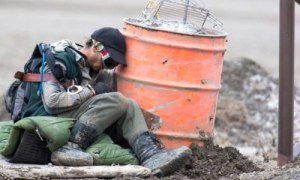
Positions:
(111, 113)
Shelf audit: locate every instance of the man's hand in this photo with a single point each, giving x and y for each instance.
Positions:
(101, 88)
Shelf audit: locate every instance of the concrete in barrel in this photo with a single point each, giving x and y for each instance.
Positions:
(176, 76)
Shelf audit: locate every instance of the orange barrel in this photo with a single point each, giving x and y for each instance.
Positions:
(176, 76)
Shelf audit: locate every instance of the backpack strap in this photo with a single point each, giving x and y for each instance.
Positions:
(56, 69)
(38, 130)
(30, 77)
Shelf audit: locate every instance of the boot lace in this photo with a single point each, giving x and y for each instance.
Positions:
(157, 141)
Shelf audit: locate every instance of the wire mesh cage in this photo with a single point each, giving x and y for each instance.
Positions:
(179, 11)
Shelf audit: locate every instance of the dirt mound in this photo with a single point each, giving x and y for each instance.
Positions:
(214, 162)
(211, 162)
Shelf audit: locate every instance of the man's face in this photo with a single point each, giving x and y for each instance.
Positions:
(95, 61)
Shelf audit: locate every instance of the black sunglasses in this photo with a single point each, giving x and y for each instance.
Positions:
(110, 63)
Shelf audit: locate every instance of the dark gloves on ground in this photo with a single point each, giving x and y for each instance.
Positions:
(101, 88)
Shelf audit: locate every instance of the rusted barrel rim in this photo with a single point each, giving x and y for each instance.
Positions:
(219, 33)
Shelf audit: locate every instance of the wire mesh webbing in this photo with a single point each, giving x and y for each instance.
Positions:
(170, 11)
(179, 11)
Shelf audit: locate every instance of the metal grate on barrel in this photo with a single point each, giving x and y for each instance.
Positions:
(178, 11)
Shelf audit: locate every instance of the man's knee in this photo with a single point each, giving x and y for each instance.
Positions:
(121, 102)
(132, 102)
(115, 100)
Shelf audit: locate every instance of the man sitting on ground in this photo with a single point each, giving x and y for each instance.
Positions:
(99, 110)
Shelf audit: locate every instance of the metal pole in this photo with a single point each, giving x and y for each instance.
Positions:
(286, 77)
(187, 3)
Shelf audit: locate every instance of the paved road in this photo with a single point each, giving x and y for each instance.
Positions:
(252, 26)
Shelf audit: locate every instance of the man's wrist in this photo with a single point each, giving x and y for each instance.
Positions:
(93, 93)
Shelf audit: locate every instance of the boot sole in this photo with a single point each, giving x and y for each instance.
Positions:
(174, 164)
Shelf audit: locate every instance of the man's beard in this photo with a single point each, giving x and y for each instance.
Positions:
(87, 63)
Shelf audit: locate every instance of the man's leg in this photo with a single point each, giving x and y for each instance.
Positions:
(102, 111)
(132, 124)
(146, 146)
(94, 116)
(129, 126)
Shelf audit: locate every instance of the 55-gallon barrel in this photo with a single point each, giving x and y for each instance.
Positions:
(176, 76)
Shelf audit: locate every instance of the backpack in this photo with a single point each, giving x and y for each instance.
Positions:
(20, 98)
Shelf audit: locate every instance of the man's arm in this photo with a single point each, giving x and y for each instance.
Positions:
(107, 77)
(57, 100)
